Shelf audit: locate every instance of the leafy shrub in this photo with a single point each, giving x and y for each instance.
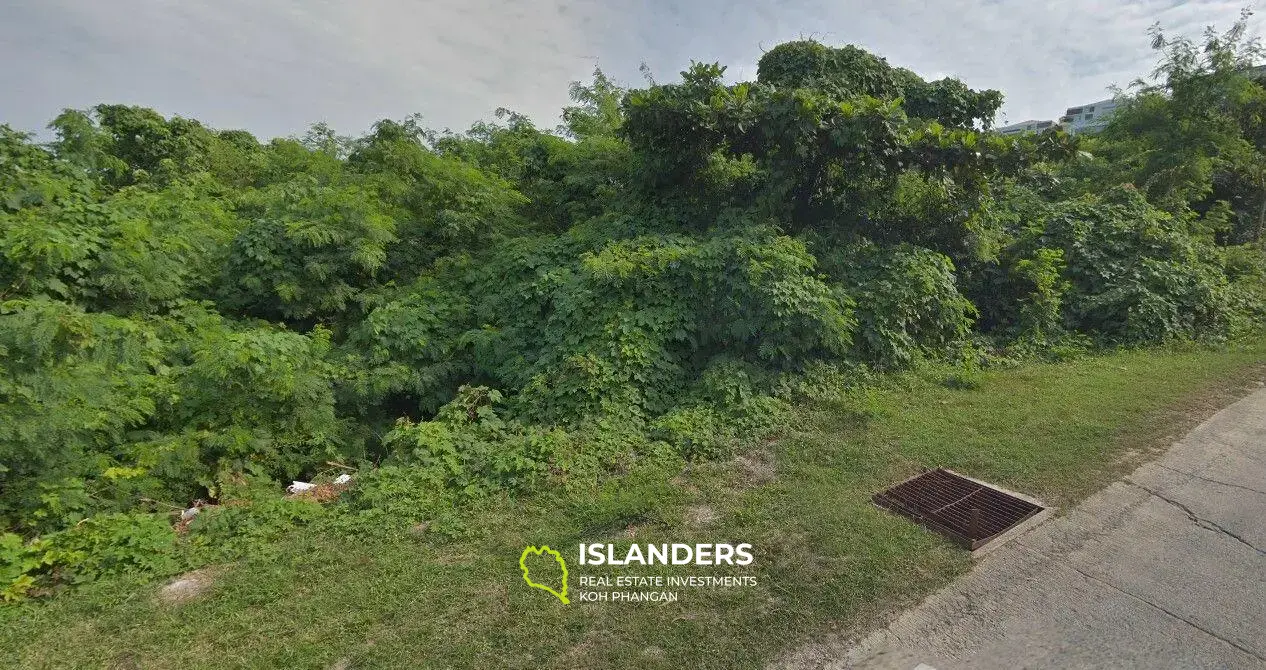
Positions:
(100, 410)
(73, 387)
(408, 353)
(1041, 316)
(394, 499)
(256, 395)
(468, 448)
(248, 528)
(908, 303)
(1135, 275)
(308, 253)
(111, 544)
(1246, 272)
(697, 433)
(19, 563)
(618, 330)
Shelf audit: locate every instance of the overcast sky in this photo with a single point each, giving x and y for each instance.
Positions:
(276, 66)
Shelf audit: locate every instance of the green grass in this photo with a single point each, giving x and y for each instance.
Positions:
(827, 561)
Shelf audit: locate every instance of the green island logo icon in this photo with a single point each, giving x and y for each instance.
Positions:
(561, 594)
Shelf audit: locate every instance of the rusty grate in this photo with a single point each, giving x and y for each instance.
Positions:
(969, 512)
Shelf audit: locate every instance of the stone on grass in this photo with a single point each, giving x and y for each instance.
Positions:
(186, 587)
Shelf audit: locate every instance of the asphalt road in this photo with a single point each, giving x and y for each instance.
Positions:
(1165, 569)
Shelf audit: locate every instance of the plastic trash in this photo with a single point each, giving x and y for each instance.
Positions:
(189, 513)
(343, 478)
(299, 487)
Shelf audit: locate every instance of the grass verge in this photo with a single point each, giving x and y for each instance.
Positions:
(827, 562)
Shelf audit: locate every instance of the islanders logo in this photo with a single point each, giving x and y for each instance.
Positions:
(561, 593)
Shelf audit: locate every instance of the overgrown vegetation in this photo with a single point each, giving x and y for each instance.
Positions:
(828, 561)
(188, 314)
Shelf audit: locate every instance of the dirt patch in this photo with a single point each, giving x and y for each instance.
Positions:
(756, 468)
(700, 515)
(682, 481)
(187, 587)
(592, 640)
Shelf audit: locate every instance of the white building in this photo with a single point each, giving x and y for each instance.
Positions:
(1090, 118)
(1025, 127)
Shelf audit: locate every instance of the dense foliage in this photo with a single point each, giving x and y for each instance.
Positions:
(190, 314)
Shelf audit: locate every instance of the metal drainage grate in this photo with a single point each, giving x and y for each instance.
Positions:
(970, 513)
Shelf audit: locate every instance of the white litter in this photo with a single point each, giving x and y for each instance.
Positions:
(299, 487)
(343, 478)
(189, 513)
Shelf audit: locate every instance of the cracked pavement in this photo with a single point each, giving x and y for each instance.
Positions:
(1165, 569)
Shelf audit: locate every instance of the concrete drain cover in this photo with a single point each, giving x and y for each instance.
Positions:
(969, 512)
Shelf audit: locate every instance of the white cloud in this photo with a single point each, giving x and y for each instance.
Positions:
(275, 66)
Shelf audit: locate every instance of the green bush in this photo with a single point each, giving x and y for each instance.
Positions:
(101, 411)
(101, 545)
(111, 544)
(908, 303)
(1041, 315)
(470, 449)
(1135, 275)
(310, 250)
(398, 499)
(248, 528)
(19, 563)
(74, 386)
